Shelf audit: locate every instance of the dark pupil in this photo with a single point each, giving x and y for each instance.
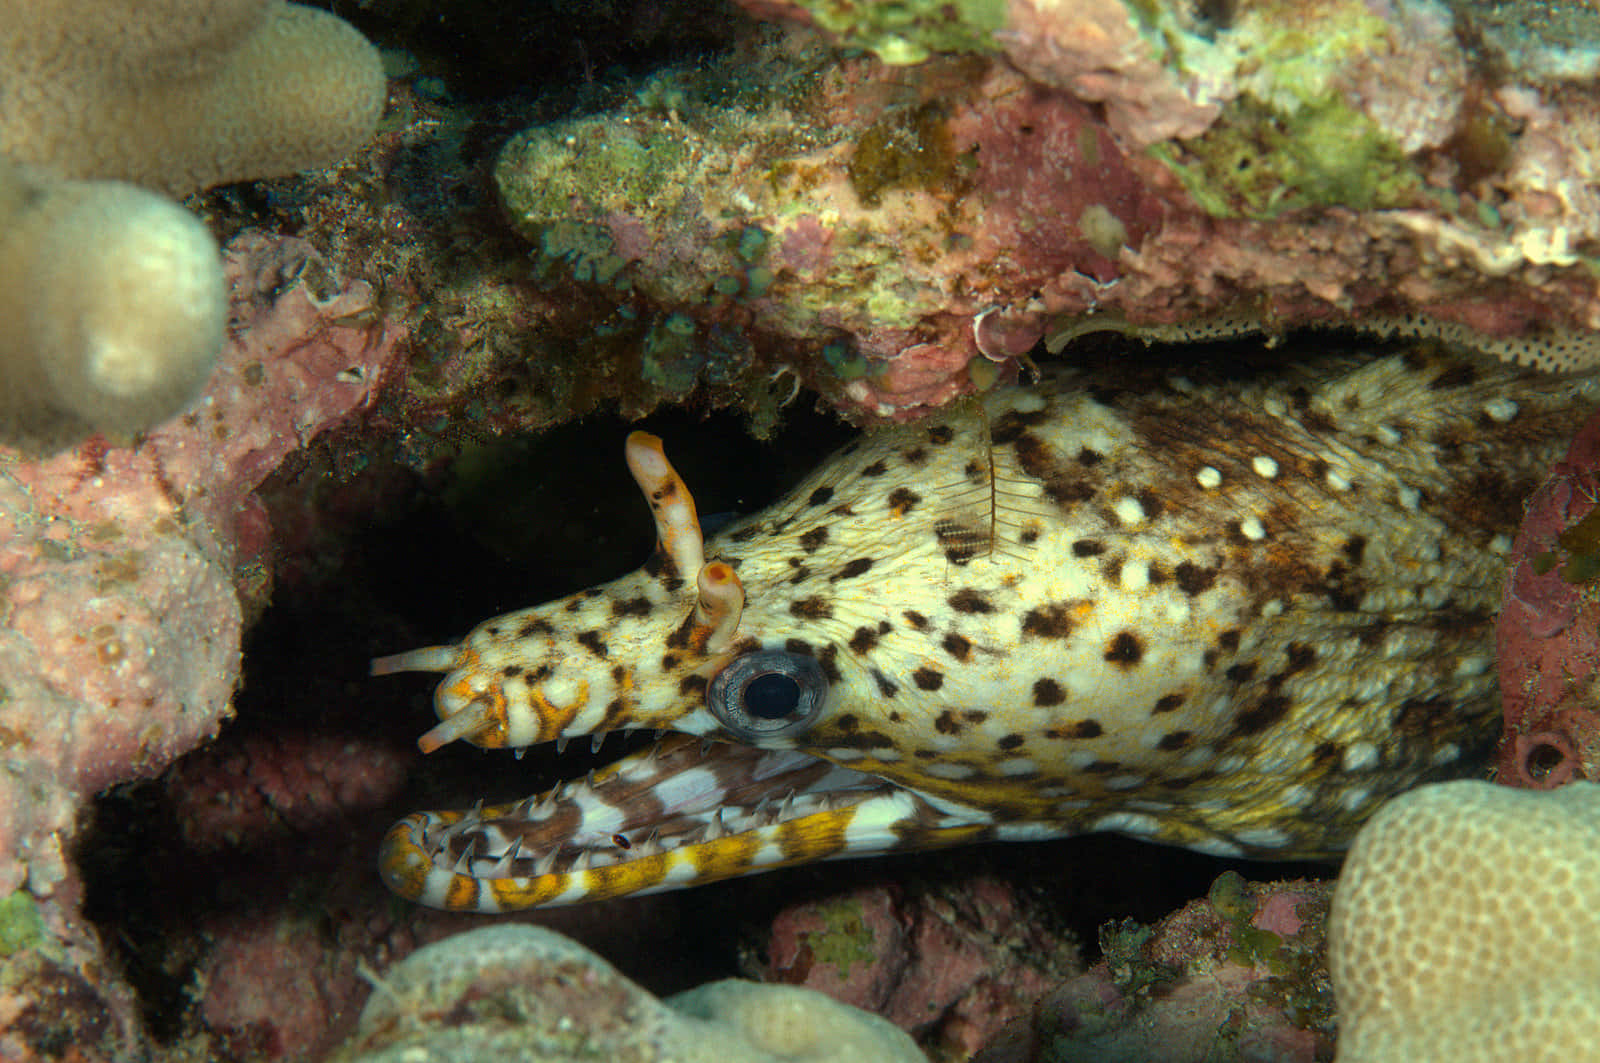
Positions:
(771, 696)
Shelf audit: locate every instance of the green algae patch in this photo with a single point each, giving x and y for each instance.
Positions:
(1260, 162)
(908, 148)
(845, 939)
(21, 926)
(909, 31)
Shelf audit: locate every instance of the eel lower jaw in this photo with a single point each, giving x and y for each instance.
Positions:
(687, 812)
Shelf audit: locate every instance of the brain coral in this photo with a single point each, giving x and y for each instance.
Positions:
(1466, 927)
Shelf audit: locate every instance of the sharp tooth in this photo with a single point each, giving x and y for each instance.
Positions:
(517, 753)
(596, 742)
(561, 744)
(463, 864)
(546, 863)
(787, 807)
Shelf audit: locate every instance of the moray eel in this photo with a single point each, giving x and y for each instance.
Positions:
(1233, 616)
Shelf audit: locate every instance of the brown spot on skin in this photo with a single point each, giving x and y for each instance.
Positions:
(1429, 718)
(1175, 741)
(1300, 657)
(915, 619)
(1229, 640)
(957, 646)
(1328, 755)
(533, 627)
(863, 640)
(1242, 672)
(886, 687)
(829, 660)
(591, 641)
(903, 500)
(1010, 742)
(1151, 503)
(1355, 548)
(812, 608)
(820, 497)
(1047, 692)
(851, 569)
(511, 671)
(968, 600)
(1089, 457)
(745, 534)
(669, 661)
(1052, 621)
(692, 685)
(1029, 536)
(1014, 423)
(1104, 767)
(974, 716)
(1080, 730)
(941, 434)
(1067, 492)
(640, 606)
(843, 509)
(1193, 580)
(947, 724)
(1111, 569)
(927, 679)
(847, 723)
(915, 456)
(1459, 375)
(1088, 548)
(1260, 716)
(813, 539)
(801, 572)
(877, 468)
(1126, 650)
(1168, 703)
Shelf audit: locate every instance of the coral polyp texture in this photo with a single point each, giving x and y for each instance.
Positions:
(124, 571)
(1464, 927)
(111, 296)
(898, 234)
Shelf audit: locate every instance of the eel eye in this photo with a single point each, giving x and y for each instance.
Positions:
(768, 694)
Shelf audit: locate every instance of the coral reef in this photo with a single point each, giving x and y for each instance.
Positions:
(1463, 927)
(949, 965)
(1235, 976)
(526, 992)
(874, 228)
(112, 298)
(125, 573)
(1548, 635)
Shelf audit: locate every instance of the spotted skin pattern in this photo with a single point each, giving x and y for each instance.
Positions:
(1230, 616)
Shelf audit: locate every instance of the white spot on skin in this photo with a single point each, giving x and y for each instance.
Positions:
(1388, 433)
(1446, 754)
(1411, 498)
(1501, 410)
(1264, 466)
(1208, 477)
(1135, 575)
(1263, 837)
(1338, 480)
(1360, 756)
(1134, 823)
(949, 770)
(1356, 799)
(1129, 511)
(1028, 402)
(1500, 544)
(1125, 782)
(1469, 666)
(1018, 766)
(1251, 529)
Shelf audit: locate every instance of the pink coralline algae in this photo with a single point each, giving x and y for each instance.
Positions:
(951, 967)
(1549, 630)
(122, 567)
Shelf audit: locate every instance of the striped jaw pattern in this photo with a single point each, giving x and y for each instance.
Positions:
(726, 794)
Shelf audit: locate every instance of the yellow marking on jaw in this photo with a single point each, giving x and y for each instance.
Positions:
(619, 880)
(725, 857)
(512, 894)
(814, 837)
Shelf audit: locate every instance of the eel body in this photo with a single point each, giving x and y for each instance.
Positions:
(1230, 616)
